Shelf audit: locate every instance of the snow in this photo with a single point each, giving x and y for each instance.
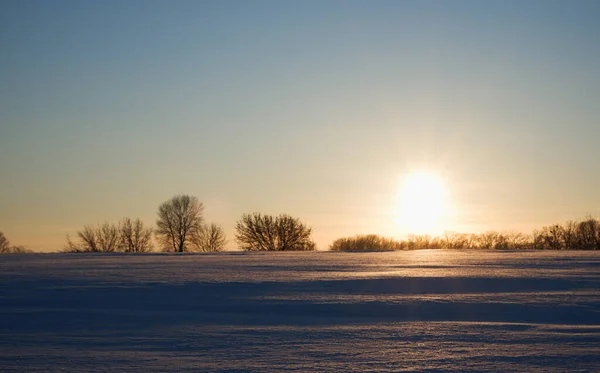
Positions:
(450, 311)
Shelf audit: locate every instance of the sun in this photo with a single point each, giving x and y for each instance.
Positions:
(422, 203)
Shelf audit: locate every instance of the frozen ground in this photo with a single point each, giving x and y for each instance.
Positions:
(307, 312)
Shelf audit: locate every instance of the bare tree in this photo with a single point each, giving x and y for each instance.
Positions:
(128, 235)
(588, 232)
(422, 242)
(88, 239)
(549, 238)
(211, 239)
(452, 240)
(109, 238)
(516, 240)
(4, 244)
(134, 237)
(569, 235)
(257, 232)
(103, 238)
(573, 235)
(179, 222)
(490, 240)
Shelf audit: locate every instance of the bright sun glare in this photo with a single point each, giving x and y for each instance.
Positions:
(422, 203)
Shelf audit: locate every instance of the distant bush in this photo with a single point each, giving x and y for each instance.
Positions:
(6, 248)
(493, 240)
(125, 236)
(424, 242)
(369, 242)
(19, 250)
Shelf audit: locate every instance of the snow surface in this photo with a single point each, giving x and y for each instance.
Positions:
(307, 312)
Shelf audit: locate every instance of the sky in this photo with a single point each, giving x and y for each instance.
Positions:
(316, 109)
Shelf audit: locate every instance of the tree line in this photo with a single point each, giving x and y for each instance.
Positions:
(180, 227)
(573, 235)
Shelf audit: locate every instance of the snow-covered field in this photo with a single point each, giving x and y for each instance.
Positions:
(306, 312)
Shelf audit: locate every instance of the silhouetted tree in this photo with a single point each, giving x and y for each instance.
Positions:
(578, 235)
(134, 237)
(516, 241)
(6, 248)
(588, 232)
(452, 240)
(211, 239)
(103, 238)
(369, 242)
(257, 232)
(20, 250)
(569, 235)
(4, 244)
(127, 235)
(488, 240)
(424, 242)
(179, 223)
(549, 238)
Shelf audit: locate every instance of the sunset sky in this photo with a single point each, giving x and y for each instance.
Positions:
(317, 109)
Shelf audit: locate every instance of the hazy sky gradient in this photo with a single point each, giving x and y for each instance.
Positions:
(311, 108)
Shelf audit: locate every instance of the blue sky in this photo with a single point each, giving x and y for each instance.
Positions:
(311, 108)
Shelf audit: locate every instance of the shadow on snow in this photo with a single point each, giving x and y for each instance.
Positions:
(47, 305)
